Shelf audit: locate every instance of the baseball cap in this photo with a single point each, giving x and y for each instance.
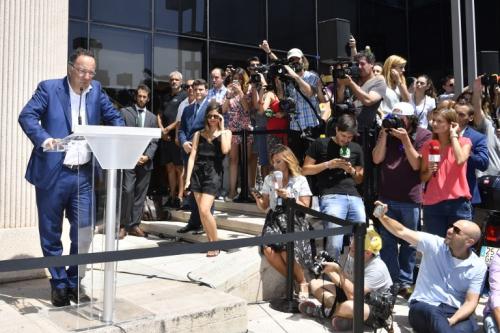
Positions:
(373, 241)
(294, 53)
(403, 109)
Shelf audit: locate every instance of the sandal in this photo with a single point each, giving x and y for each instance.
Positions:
(303, 291)
(213, 253)
(311, 309)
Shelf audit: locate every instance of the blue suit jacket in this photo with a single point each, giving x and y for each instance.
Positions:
(48, 115)
(190, 124)
(478, 160)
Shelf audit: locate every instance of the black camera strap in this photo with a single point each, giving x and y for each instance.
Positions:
(320, 120)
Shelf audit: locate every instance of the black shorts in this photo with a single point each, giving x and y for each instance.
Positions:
(169, 152)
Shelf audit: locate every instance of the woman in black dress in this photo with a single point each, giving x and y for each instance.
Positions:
(204, 169)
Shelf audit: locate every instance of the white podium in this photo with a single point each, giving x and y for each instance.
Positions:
(114, 148)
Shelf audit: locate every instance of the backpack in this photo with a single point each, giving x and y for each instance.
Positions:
(153, 210)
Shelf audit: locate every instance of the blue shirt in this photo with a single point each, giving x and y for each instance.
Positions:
(443, 278)
(305, 114)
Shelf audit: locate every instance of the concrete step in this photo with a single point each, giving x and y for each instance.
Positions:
(238, 222)
(240, 208)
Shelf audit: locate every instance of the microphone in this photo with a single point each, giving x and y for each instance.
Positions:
(434, 153)
(278, 178)
(80, 107)
(345, 154)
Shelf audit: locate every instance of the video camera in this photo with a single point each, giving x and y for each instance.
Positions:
(340, 70)
(319, 262)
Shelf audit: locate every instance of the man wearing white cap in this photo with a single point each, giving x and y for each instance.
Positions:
(397, 154)
(307, 101)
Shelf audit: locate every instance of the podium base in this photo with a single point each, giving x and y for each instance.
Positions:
(284, 305)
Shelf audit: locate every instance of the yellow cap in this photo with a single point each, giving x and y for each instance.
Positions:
(373, 241)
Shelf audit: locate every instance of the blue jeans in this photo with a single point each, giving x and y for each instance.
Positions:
(346, 207)
(426, 318)
(439, 217)
(400, 265)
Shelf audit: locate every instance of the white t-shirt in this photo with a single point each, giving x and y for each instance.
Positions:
(422, 110)
(493, 144)
(391, 97)
(296, 187)
(181, 108)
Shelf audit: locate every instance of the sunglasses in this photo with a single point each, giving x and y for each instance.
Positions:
(213, 116)
(456, 230)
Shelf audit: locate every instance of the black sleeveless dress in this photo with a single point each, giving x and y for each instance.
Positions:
(207, 171)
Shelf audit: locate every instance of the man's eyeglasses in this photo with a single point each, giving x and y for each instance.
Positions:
(83, 72)
(456, 230)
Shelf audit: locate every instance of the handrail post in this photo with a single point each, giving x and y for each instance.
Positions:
(289, 304)
(359, 285)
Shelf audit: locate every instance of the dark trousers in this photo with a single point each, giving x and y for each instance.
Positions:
(71, 194)
(135, 188)
(426, 318)
(299, 144)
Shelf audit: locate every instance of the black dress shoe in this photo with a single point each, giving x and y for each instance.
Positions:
(76, 297)
(59, 297)
(187, 228)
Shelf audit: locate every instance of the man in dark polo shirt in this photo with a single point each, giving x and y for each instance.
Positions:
(397, 154)
(169, 152)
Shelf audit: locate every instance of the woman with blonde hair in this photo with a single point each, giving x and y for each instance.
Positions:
(446, 196)
(204, 168)
(393, 73)
(291, 185)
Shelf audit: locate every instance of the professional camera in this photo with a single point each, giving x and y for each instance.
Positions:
(255, 78)
(277, 69)
(342, 108)
(184, 86)
(288, 105)
(392, 121)
(341, 70)
(381, 305)
(490, 80)
(319, 262)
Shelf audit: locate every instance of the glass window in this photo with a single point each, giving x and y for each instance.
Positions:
(238, 21)
(77, 35)
(78, 9)
(187, 17)
(131, 13)
(222, 55)
(176, 54)
(292, 24)
(123, 60)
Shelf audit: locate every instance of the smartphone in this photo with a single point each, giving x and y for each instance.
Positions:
(236, 82)
(257, 193)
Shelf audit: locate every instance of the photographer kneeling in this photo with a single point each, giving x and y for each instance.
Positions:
(337, 294)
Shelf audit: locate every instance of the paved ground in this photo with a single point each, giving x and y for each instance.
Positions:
(25, 305)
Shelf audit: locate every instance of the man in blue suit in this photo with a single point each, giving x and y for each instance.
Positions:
(63, 180)
(478, 159)
(193, 119)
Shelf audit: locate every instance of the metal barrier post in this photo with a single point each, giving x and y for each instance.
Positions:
(243, 197)
(289, 304)
(359, 268)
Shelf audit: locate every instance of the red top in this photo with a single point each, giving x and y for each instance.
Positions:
(277, 123)
(450, 181)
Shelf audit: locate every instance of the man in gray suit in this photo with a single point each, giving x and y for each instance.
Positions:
(136, 181)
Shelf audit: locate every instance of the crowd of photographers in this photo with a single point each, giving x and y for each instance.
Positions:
(424, 152)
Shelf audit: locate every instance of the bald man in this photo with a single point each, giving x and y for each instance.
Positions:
(450, 278)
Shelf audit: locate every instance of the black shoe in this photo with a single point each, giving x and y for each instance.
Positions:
(187, 228)
(76, 297)
(176, 203)
(59, 297)
(198, 231)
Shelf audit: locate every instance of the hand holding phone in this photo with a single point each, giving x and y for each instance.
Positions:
(256, 193)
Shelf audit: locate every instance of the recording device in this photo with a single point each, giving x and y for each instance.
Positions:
(256, 192)
(254, 78)
(278, 179)
(184, 86)
(490, 80)
(319, 262)
(80, 107)
(378, 212)
(345, 153)
(340, 70)
(288, 105)
(275, 69)
(434, 153)
(392, 121)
